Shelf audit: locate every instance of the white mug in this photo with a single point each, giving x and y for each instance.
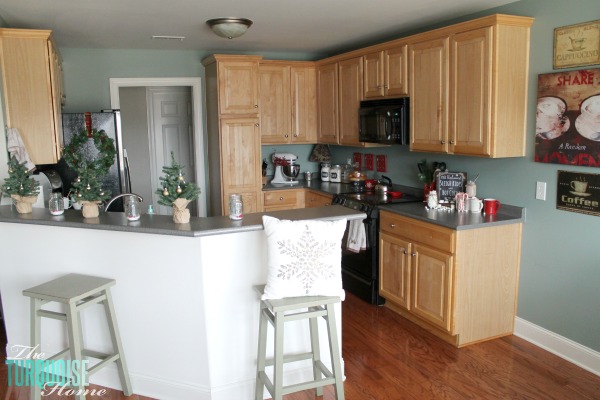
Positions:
(475, 205)
(76, 205)
(67, 202)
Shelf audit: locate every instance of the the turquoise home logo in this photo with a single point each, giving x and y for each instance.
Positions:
(28, 368)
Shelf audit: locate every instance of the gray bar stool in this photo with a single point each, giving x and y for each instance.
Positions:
(280, 311)
(78, 292)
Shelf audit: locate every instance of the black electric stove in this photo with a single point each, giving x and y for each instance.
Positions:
(360, 271)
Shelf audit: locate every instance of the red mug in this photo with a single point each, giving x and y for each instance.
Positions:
(491, 206)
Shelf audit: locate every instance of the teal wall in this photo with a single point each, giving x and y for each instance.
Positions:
(560, 268)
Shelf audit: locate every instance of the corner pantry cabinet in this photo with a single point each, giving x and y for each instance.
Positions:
(233, 132)
(468, 87)
(32, 79)
(461, 285)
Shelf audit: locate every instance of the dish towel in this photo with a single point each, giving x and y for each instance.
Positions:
(16, 148)
(357, 236)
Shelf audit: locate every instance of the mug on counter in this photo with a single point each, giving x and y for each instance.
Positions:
(475, 205)
(67, 203)
(491, 206)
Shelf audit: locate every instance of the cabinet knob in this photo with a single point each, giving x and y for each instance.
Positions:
(256, 106)
(452, 141)
(295, 135)
(385, 86)
(443, 142)
(405, 252)
(392, 225)
(414, 254)
(286, 135)
(281, 199)
(256, 124)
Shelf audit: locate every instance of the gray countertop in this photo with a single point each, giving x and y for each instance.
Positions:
(458, 220)
(164, 225)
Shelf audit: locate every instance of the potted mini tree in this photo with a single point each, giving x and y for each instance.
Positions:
(20, 187)
(176, 192)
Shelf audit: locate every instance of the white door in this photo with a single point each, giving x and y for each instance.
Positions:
(171, 130)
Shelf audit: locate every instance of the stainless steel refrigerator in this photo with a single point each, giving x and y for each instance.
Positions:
(117, 180)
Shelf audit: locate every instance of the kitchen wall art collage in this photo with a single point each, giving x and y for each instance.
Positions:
(567, 127)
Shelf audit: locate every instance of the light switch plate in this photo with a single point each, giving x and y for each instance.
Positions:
(540, 190)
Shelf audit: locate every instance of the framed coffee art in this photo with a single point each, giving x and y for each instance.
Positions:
(577, 45)
(567, 123)
(578, 192)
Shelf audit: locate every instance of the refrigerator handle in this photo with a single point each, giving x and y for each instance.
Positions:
(121, 156)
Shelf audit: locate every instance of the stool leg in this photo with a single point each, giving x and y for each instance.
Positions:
(36, 337)
(116, 342)
(75, 342)
(262, 350)
(335, 352)
(278, 359)
(315, 348)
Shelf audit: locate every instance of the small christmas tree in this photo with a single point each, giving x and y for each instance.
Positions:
(174, 185)
(18, 182)
(88, 186)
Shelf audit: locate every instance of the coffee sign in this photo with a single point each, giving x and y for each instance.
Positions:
(578, 192)
(449, 183)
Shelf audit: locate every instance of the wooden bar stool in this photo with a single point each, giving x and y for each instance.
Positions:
(77, 292)
(280, 311)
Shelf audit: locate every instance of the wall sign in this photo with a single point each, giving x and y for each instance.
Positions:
(567, 123)
(578, 192)
(577, 45)
(449, 183)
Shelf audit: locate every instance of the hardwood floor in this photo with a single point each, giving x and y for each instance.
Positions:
(389, 358)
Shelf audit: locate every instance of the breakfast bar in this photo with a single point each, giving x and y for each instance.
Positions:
(184, 297)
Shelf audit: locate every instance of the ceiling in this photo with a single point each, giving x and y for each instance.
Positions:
(319, 27)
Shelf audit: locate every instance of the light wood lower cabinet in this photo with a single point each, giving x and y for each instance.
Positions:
(460, 285)
(288, 199)
(316, 199)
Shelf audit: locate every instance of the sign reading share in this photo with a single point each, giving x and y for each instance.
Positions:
(28, 368)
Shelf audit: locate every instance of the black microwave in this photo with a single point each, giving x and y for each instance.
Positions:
(384, 121)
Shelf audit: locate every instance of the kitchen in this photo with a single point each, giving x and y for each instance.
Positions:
(559, 275)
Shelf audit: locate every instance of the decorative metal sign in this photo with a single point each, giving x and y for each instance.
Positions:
(577, 45)
(567, 124)
(578, 192)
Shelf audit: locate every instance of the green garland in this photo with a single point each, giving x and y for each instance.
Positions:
(106, 152)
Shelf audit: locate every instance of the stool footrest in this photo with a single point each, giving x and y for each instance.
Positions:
(52, 315)
(297, 386)
(288, 358)
(109, 358)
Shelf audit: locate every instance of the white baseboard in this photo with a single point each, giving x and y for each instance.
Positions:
(571, 351)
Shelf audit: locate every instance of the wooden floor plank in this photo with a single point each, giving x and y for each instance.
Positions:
(389, 358)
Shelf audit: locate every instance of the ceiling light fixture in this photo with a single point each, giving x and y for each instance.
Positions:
(229, 28)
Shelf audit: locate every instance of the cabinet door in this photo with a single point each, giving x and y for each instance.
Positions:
(395, 74)
(350, 94)
(238, 87)
(394, 269)
(28, 94)
(304, 104)
(327, 90)
(57, 96)
(240, 157)
(289, 199)
(373, 75)
(432, 286)
(428, 89)
(274, 104)
(470, 101)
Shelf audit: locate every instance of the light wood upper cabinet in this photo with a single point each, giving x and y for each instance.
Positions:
(287, 102)
(385, 73)
(428, 87)
(468, 88)
(327, 100)
(238, 86)
(32, 79)
(350, 90)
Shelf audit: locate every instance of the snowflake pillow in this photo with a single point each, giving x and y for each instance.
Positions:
(304, 258)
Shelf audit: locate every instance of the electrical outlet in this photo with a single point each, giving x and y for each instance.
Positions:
(369, 162)
(381, 163)
(540, 190)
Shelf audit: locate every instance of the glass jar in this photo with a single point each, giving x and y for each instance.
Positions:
(335, 174)
(56, 204)
(325, 169)
(471, 189)
(132, 208)
(236, 207)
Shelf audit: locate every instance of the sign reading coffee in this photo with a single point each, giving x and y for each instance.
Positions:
(567, 124)
(578, 192)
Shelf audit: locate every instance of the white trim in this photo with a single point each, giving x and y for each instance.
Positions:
(571, 351)
(196, 85)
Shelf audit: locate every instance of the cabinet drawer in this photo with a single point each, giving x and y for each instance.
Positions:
(420, 232)
(281, 198)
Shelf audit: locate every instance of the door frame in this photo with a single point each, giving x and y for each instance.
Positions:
(196, 85)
